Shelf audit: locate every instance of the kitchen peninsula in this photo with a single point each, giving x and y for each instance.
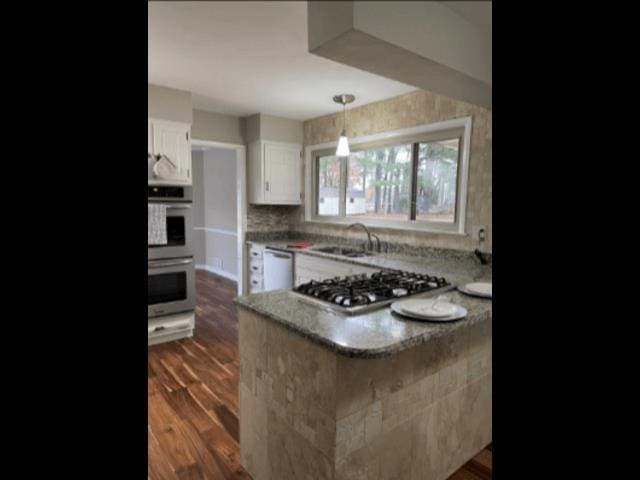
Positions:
(326, 395)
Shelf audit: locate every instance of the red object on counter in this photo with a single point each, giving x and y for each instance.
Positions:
(300, 245)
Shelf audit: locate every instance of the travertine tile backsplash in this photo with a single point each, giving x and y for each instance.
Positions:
(269, 218)
(416, 108)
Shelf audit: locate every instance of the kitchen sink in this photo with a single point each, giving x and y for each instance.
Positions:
(343, 251)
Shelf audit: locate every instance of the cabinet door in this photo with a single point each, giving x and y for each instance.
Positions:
(184, 154)
(308, 267)
(359, 269)
(282, 174)
(172, 140)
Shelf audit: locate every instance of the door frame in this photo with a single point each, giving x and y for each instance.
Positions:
(241, 182)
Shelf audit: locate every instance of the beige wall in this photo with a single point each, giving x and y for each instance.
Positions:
(424, 44)
(216, 127)
(280, 129)
(416, 108)
(169, 104)
(199, 237)
(276, 129)
(215, 207)
(431, 30)
(220, 189)
(252, 128)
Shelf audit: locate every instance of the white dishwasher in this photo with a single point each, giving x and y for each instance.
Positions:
(278, 269)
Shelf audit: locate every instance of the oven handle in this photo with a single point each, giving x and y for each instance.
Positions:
(176, 206)
(168, 263)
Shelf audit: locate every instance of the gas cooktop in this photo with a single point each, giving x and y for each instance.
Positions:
(358, 293)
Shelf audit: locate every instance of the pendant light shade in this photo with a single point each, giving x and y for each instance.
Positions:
(343, 142)
(343, 146)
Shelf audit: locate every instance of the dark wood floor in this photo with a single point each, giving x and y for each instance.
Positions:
(193, 397)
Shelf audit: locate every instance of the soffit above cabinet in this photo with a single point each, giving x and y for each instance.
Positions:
(429, 45)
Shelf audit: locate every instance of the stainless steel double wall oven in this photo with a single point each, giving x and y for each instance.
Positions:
(171, 269)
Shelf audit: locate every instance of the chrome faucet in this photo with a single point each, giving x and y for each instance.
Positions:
(378, 243)
(369, 242)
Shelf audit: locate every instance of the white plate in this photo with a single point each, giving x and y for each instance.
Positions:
(479, 289)
(461, 312)
(428, 307)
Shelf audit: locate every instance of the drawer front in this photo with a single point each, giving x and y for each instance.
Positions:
(255, 254)
(256, 283)
(256, 267)
(255, 251)
(168, 324)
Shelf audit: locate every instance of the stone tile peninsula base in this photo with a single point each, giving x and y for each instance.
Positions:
(307, 412)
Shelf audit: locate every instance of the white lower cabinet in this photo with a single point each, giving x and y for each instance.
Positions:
(256, 266)
(170, 327)
(305, 267)
(308, 267)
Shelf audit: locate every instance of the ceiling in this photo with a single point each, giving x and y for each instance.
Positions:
(242, 58)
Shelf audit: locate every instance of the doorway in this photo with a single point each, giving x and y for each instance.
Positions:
(219, 205)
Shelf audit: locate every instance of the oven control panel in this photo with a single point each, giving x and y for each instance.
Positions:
(169, 193)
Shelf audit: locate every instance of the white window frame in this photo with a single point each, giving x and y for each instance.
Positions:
(459, 226)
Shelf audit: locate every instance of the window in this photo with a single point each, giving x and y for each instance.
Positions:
(328, 185)
(410, 180)
(379, 182)
(437, 180)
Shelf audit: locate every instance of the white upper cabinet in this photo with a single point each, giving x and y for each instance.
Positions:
(275, 173)
(173, 140)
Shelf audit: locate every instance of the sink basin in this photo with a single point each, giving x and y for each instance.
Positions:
(343, 251)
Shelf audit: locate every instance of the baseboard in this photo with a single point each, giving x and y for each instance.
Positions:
(222, 273)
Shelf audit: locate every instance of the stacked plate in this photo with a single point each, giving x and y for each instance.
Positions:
(478, 289)
(438, 309)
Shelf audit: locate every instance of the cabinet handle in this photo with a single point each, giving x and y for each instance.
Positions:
(267, 186)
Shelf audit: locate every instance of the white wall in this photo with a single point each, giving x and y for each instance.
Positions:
(215, 210)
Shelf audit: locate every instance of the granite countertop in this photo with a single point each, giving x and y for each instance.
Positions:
(374, 334)
(456, 269)
(380, 332)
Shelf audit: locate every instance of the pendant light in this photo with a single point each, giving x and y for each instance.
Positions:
(343, 142)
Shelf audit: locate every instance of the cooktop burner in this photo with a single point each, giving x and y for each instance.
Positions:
(356, 293)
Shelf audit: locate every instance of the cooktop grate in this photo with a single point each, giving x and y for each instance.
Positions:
(357, 293)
